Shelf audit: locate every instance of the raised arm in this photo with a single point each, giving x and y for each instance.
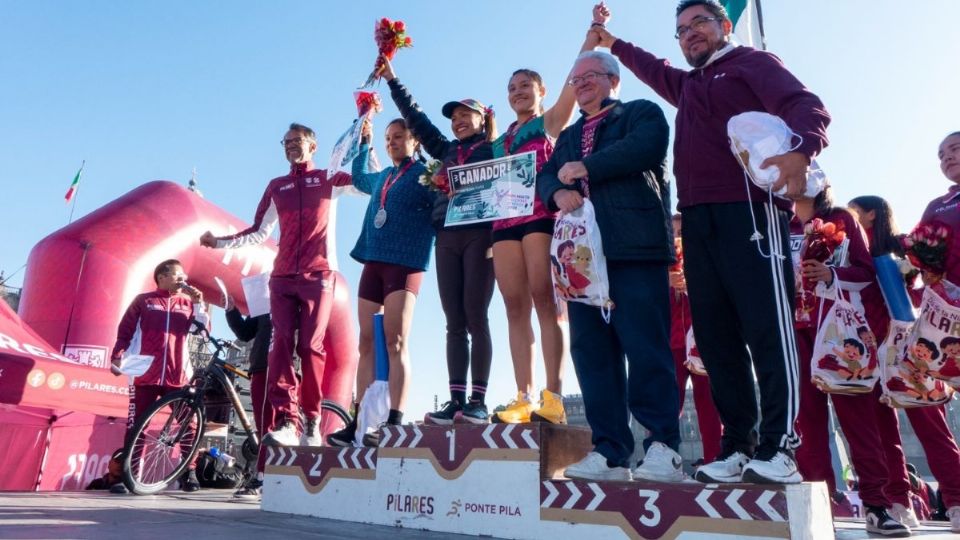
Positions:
(363, 178)
(657, 73)
(558, 116)
(429, 135)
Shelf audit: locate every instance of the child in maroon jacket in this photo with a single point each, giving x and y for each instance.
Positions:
(882, 486)
(929, 423)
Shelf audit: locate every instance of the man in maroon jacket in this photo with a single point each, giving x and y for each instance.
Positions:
(157, 324)
(301, 286)
(741, 288)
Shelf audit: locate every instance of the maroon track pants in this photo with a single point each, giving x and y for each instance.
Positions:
(300, 310)
(858, 419)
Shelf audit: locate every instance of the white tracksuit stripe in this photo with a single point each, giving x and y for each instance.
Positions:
(785, 320)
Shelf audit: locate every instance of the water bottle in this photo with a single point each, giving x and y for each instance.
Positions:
(224, 459)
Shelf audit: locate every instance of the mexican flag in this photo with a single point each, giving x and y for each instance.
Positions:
(74, 185)
(747, 22)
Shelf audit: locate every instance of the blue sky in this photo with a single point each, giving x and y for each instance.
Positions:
(145, 91)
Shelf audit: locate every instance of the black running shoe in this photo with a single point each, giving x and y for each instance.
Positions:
(445, 415)
(474, 412)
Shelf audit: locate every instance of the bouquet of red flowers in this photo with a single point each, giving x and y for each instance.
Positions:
(927, 245)
(368, 103)
(390, 37)
(348, 145)
(435, 177)
(820, 240)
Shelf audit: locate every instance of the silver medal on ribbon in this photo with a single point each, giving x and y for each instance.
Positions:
(380, 219)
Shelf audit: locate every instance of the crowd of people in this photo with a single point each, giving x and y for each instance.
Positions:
(736, 287)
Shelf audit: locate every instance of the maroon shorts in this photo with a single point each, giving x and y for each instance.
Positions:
(379, 279)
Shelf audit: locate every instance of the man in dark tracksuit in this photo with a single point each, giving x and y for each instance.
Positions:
(614, 155)
(740, 295)
(258, 329)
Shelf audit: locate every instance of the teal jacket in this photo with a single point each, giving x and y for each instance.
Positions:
(406, 238)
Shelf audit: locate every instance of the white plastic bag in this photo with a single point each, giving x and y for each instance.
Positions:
(934, 346)
(902, 384)
(135, 365)
(845, 351)
(756, 136)
(375, 405)
(579, 266)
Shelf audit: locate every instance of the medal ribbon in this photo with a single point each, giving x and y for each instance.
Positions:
(390, 181)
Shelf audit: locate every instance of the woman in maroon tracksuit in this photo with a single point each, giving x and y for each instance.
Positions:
(880, 487)
(929, 423)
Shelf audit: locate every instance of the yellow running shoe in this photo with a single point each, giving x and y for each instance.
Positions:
(551, 409)
(517, 411)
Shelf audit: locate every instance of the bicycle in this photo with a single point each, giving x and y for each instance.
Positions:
(167, 438)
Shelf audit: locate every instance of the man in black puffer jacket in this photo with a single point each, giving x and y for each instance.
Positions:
(615, 155)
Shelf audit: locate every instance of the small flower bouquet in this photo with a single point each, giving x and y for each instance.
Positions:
(435, 177)
(390, 36)
(348, 145)
(820, 240)
(927, 245)
(368, 103)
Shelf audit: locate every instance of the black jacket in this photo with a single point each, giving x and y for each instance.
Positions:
(439, 147)
(627, 182)
(257, 328)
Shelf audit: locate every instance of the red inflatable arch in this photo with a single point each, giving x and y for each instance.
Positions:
(80, 279)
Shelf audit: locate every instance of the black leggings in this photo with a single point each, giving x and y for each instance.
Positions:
(465, 279)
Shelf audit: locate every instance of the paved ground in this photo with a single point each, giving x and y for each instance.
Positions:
(211, 514)
(205, 515)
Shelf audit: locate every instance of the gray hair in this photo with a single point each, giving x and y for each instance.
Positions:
(609, 63)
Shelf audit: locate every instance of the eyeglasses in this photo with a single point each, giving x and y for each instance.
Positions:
(589, 76)
(296, 142)
(696, 24)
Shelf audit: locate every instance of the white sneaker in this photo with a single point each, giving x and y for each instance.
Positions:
(285, 435)
(594, 467)
(660, 464)
(779, 469)
(904, 515)
(722, 471)
(311, 433)
(954, 514)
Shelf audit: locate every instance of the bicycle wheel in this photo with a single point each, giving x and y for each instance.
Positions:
(163, 443)
(336, 409)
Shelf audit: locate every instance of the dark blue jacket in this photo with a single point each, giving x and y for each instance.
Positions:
(627, 180)
(257, 328)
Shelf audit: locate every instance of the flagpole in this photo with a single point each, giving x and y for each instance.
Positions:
(763, 37)
(76, 194)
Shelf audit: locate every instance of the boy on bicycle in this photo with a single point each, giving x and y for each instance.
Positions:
(157, 324)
